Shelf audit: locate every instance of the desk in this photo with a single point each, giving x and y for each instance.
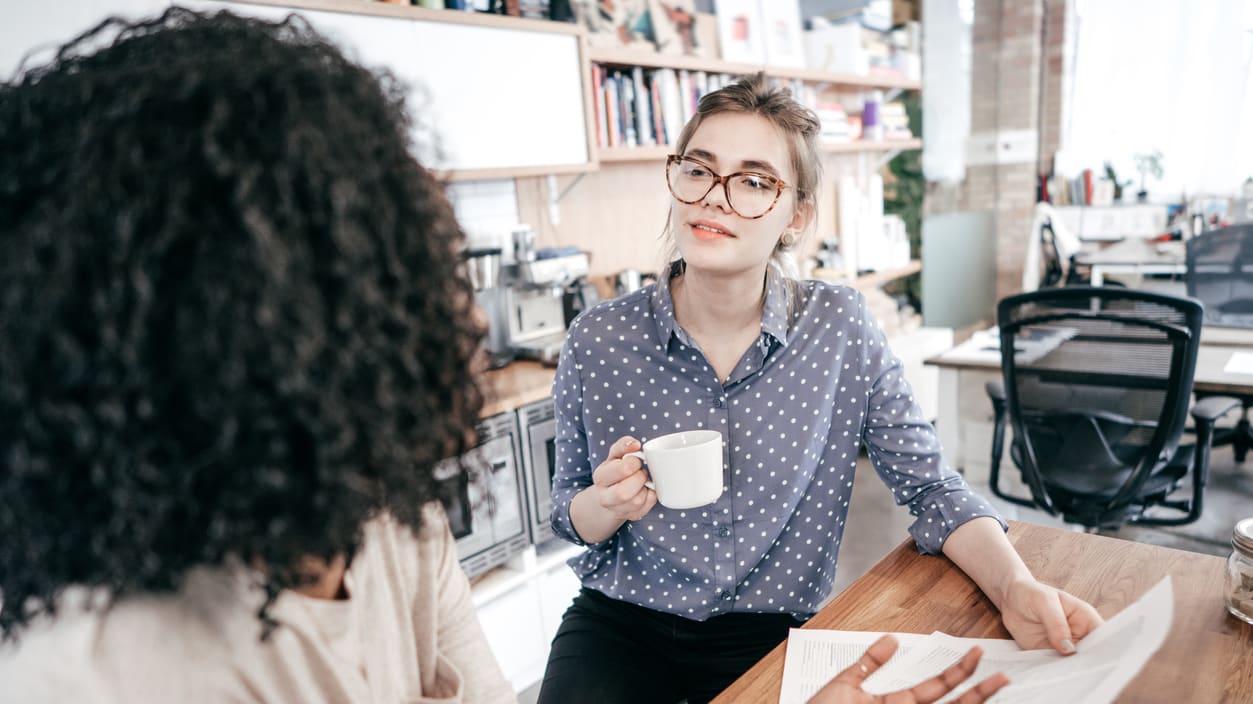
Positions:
(1134, 256)
(965, 414)
(1207, 657)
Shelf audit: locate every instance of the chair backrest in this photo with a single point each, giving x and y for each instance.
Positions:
(1220, 275)
(1097, 385)
(1049, 248)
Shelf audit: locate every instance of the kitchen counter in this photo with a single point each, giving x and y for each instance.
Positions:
(516, 385)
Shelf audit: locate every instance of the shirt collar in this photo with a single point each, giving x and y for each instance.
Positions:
(774, 317)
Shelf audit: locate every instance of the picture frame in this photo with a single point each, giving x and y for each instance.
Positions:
(740, 31)
(674, 25)
(616, 23)
(781, 33)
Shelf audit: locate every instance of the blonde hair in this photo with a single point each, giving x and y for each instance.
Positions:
(799, 127)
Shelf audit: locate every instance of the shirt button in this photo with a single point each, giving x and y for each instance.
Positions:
(724, 595)
(718, 402)
(724, 532)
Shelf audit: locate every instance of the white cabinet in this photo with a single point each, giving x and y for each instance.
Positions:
(520, 607)
(514, 628)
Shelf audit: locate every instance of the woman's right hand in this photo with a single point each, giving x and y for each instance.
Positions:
(619, 483)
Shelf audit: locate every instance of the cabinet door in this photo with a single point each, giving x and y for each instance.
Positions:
(38, 28)
(374, 42)
(481, 97)
(514, 629)
(557, 588)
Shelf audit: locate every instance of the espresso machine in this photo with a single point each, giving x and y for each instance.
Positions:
(544, 289)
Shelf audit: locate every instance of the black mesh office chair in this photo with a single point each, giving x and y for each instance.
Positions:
(1097, 392)
(1220, 275)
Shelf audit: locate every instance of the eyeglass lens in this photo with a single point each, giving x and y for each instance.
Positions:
(750, 195)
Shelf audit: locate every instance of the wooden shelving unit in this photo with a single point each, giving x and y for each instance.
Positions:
(624, 57)
(879, 278)
(659, 152)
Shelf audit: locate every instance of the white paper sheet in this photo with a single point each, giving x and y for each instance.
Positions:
(1105, 662)
(1240, 363)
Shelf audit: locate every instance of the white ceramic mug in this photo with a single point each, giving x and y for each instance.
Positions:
(686, 467)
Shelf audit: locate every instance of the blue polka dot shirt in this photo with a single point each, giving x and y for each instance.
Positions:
(793, 413)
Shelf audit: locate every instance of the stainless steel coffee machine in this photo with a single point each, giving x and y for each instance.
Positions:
(539, 285)
(491, 295)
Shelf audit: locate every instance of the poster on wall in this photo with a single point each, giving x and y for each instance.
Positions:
(616, 23)
(674, 27)
(740, 31)
(781, 33)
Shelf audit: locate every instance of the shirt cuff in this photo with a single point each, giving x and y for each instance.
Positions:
(945, 514)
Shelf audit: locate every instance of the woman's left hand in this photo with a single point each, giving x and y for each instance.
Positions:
(1039, 616)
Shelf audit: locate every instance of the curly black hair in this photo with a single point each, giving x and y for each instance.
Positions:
(231, 317)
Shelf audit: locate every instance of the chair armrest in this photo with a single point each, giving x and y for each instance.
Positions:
(1210, 409)
(996, 392)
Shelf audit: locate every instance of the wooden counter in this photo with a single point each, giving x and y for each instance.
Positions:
(516, 385)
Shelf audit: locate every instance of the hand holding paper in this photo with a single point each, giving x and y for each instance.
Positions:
(846, 687)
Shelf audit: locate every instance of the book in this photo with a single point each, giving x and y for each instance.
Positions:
(598, 106)
(642, 108)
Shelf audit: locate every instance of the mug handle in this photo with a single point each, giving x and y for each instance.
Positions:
(643, 461)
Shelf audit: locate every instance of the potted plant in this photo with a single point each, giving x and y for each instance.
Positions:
(1146, 164)
(1118, 185)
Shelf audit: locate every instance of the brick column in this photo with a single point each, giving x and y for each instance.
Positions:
(1018, 84)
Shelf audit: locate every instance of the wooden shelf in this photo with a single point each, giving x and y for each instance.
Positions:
(878, 278)
(659, 152)
(628, 57)
(416, 12)
(884, 145)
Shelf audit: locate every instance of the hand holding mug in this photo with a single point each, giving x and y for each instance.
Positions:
(620, 483)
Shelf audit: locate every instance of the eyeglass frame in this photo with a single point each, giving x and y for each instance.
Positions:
(723, 181)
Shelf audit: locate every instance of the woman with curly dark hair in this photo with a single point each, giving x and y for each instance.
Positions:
(233, 345)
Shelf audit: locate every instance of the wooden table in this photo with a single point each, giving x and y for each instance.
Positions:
(1207, 657)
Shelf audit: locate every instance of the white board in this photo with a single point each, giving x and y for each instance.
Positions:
(493, 98)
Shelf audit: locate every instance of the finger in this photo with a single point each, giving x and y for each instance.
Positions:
(649, 501)
(1056, 627)
(628, 490)
(984, 690)
(1082, 617)
(870, 661)
(932, 689)
(621, 446)
(614, 471)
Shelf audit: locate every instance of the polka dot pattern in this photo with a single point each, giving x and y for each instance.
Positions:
(794, 413)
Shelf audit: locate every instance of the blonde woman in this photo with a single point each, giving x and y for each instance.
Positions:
(799, 378)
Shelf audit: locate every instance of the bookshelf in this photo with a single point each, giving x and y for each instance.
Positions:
(659, 152)
(629, 58)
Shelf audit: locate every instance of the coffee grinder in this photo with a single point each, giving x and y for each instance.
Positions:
(483, 268)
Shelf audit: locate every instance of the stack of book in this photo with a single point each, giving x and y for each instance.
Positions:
(835, 123)
(895, 121)
(639, 107)
(1084, 189)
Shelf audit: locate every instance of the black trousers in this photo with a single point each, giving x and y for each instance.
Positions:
(609, 651)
